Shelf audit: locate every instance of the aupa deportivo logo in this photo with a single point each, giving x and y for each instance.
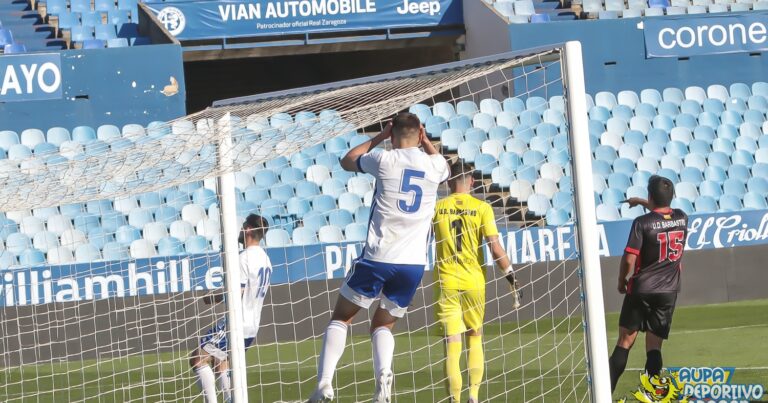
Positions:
(173, 19)
(696, 385)
(664, 388)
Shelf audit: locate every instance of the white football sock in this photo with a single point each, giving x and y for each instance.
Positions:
(383, 349)
(225, 385)
(207, 382)
(334, 342)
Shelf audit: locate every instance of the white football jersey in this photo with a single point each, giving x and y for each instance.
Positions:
(255, 273)
(403, 203)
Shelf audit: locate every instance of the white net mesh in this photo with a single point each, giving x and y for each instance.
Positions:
(111, 241)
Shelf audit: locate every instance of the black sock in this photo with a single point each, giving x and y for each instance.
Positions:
(617, 363)
(653, 362)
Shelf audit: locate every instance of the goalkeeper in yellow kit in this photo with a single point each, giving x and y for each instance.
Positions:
(461, 221)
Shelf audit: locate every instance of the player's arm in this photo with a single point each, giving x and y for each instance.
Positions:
(491, 234)
(631, 252)
(349, 162)
(628, 261)
(638, 201)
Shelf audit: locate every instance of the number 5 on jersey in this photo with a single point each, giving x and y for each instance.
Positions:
(413, 190)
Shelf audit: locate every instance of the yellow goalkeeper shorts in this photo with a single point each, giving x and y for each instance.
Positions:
(460, 310)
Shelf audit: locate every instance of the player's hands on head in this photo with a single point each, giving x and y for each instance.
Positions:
(387, 132)
(423, 135)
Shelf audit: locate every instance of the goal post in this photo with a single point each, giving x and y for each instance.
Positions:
(597, 345)
(109, 244)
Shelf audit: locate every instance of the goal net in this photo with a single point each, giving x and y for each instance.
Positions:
(113, 244)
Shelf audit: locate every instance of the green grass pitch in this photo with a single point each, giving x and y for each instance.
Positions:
(539, 361)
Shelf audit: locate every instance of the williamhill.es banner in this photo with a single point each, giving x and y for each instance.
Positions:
(706, 34)
(232, 19)
(163, 275)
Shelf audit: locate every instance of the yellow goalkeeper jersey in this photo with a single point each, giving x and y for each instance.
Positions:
(461, 221)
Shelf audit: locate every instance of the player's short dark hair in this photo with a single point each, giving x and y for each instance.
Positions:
(256, 226)
(460, 170)
(405, 123)
(661, 190)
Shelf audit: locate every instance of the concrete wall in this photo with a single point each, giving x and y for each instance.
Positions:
(119, 327)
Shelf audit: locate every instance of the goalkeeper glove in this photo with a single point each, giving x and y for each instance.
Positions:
(517, 295)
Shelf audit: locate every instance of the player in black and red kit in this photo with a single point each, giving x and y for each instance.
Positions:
(653, 256)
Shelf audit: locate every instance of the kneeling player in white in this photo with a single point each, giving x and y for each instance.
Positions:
(255, 272)
(395, 253)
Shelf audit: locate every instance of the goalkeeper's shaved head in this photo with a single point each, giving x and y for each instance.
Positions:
(461, 177)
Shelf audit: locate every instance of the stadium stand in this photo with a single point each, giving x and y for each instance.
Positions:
(542, 11)
(23, 29)
(62, 24)
(712, 143)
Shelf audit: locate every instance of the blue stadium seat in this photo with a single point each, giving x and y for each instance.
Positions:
(336, 145)
(733, 186)
(277, 237)
(612, 196)
(421, 110)
(755, 201)
(538, 204)
(468, 151)
(557, 217)
(197, 244)
(458, 122)
(729, 202)
(340, 218)
(19, 152)
(127, 234)
(17, 243)
(607, 213)
(619, 180)
(629, 152)
(323, 203)
(170, 246)
(624, 166)
(669, 174)
(635, 138)
(105, 32)
(333, 187)
(758, 185)
(304, 236)
(31, 257)
(82, 33)
(507, 119)
(306, 189)
(99, 237)
(602, 168)
(291, 175)
(113, 251)
(683, 204)
(265, 178)
(443, 109)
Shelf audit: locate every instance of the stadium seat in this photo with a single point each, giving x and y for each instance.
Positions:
(607, 213)
(304, 236)
(60, 255)
(17, 243)
(87, 253)
(197, 244)
(170, 246)
(142, 249)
